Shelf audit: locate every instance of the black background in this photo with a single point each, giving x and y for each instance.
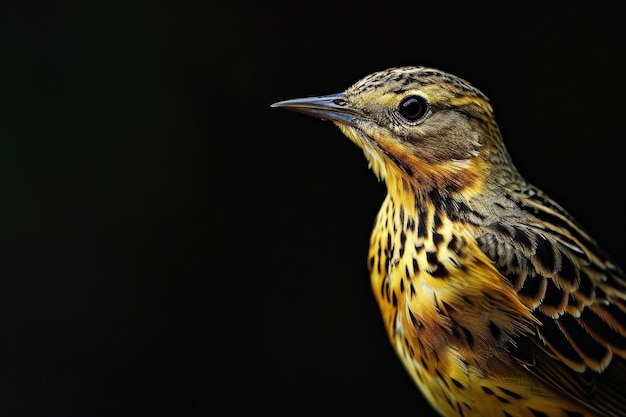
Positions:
(170, 244)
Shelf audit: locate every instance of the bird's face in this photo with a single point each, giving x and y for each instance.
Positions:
(414, 122)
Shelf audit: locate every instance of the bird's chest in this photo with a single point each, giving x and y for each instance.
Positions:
(424, 277)
(412, 255)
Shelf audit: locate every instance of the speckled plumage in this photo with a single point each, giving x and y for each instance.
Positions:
(496, 300)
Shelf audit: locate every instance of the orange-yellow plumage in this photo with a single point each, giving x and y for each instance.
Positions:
(495, 299)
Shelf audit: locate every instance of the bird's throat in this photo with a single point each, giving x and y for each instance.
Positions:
(407, 176)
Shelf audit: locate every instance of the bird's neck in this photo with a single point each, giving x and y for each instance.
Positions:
(450, 181)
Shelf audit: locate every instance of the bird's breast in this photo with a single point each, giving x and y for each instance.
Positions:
(414, 252)
(447, 311)
(436, 290)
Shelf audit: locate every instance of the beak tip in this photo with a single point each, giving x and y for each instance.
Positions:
(282, 103)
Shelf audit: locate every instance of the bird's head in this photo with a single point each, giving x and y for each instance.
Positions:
(419, 128)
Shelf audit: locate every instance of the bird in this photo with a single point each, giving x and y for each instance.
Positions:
(494, 298)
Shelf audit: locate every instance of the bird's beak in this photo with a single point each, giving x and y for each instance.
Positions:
(333, 107)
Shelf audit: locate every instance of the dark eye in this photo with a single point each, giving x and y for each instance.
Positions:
(413, 107)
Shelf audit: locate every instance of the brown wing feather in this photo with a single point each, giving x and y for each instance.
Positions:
(577, 293)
